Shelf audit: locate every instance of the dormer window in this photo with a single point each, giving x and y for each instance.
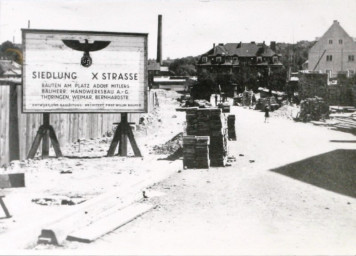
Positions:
(330, 41)
(259, 59)
(234, 58)
(218, 59)
(204, 59)
(274, 59)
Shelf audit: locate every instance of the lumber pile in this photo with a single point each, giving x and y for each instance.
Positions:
(313, 84)
(313, 109)
(210, 122)
(231, 127)
(345, 122)
(196, 151)
(225, 107)
(189, 151)
(268, 101)
(340, 95)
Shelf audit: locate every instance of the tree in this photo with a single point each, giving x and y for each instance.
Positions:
(10, 51)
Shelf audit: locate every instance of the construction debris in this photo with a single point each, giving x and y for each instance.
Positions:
(170, 146)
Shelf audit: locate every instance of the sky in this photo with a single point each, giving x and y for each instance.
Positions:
(190, 27)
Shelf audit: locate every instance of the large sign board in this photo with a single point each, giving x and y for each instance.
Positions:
(79, 71)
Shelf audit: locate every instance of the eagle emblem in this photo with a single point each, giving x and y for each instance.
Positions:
(86, 47)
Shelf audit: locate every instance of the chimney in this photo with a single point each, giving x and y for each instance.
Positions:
(273, 45)
(159, 40)
(213, 45)
(335, 21)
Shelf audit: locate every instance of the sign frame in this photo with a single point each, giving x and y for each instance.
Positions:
(94, 33)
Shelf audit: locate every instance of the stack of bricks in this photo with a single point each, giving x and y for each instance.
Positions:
(202, 152)
(231, 127)
(210, 122)
(192, 124)
(189, 151)
(196, 151)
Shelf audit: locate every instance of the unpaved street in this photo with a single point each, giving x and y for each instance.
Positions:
(291, 191)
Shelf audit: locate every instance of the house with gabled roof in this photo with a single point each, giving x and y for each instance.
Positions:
(334, 52)
(237, 54)
(239, 58)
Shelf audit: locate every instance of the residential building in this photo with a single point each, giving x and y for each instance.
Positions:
(334, 52)
(240, 59)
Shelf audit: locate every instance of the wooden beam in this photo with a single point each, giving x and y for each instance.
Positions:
(14, 144)
(55, 142)
(123, 140)
(115, 141)
(45, 141)
(12, 180)
(36, 142)
(134, 146)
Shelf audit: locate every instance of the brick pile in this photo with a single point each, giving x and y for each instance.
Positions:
(196, 151)
(210, 122)
(231, 127)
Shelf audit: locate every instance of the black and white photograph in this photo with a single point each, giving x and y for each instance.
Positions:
(177, 127)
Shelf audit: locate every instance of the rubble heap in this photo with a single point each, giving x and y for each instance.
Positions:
(210, 122)
(313, 109)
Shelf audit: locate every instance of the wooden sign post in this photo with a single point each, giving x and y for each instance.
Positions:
(44, 133)
(84, 72)
(123, 131)
(12, 180)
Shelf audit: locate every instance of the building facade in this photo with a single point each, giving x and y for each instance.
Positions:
(334, 52)
(240, 60)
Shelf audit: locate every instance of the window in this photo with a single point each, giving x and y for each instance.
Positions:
(234, 58)
(329, 57)
(259, 59)
(274, 59)
(330, 41)
(204, 59)
(351, 57)
(340, 41)
(351, 72)
(218, 59)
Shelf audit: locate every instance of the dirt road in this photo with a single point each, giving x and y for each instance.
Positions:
(292, 190)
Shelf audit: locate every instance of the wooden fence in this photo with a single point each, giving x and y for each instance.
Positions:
(68, 127)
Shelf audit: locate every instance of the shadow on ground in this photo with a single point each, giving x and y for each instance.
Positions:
(334, 171)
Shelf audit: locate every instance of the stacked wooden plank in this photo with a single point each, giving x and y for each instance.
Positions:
(225, 107)
(210, 122)
(231, 127)
(313, 109)
(218, 138)
(196, 151)
(192, 124)
(202, 152)
(313, 84)
(189, 151)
